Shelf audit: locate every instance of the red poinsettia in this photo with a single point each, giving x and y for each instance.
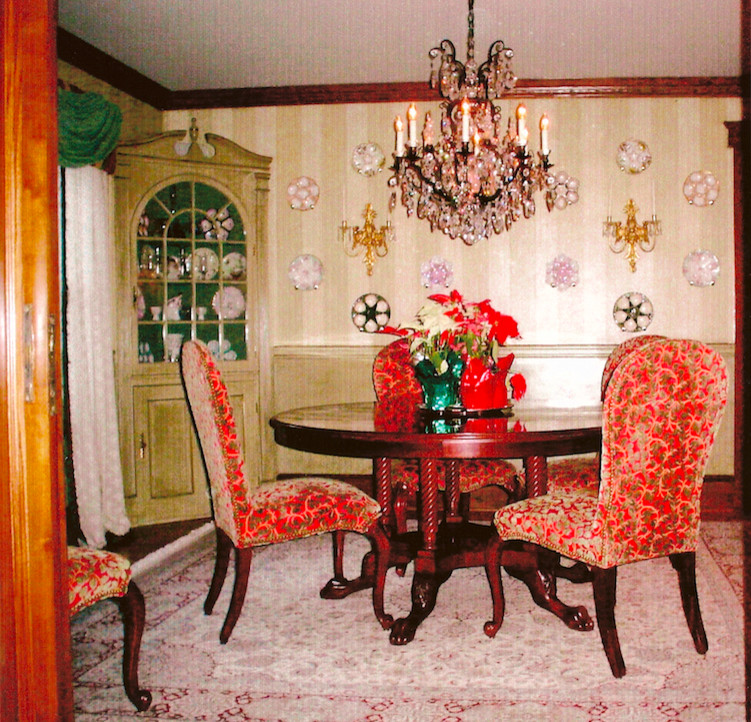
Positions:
(449, 323)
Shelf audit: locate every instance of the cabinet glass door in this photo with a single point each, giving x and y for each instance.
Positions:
(191, 250)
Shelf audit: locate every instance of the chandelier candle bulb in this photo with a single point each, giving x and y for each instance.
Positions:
(521, 122)
(399, 128)
(412, 126)
(427, 131)
(465, 121)
(544, 124)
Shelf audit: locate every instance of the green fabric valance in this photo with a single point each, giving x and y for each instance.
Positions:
(88, 127)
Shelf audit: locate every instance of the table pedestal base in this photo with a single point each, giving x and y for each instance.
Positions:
(460, 545)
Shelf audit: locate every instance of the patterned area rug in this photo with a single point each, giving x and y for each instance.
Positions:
(296, 657)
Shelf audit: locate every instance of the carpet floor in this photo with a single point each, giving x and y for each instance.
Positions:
(298, 658)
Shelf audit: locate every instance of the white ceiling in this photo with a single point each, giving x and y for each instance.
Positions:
(209, 44)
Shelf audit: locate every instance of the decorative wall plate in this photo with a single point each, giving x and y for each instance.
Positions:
(306, 272)
(633, 156)
(233, 266)
(701, 188)
(223, 351)
(701, 268)
(368, 159)
(204, 264)
(228, 302)
(436, 272)
(303, 193)
(562, 272)
(565, 190)
(217, 224)
(370, 312)
(633, 312)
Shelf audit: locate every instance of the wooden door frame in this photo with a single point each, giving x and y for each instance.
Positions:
(34, 631)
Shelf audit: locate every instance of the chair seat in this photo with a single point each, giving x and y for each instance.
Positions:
(94, 574)
(297, 508)
(563, 522)
(473, 474)
(577, 474)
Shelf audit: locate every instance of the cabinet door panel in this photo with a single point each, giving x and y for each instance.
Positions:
(170, 479)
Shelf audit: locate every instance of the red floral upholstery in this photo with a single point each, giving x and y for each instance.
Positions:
(273, 513)
(93, 575)
(393, 378)
(584, 472)
(661, 412)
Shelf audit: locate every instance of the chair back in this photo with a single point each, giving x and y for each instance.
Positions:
(662, 409)
(393, 374)
(619, 353)
(215, 423)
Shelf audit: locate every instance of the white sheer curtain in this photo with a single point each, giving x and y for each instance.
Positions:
(89, 272)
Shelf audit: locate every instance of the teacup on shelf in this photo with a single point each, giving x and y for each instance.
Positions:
(156, 313)
(201, 313)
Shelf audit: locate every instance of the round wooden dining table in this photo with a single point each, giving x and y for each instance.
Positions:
(444, 542)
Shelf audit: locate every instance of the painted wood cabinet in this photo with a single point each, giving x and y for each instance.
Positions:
(191, 231)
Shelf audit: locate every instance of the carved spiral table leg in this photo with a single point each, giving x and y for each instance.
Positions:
(452, 491)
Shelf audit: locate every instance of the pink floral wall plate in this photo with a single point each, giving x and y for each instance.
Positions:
(701, 268)
(306, 272)
(303, 193)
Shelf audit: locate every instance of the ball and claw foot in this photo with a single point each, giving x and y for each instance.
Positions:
(491, 628)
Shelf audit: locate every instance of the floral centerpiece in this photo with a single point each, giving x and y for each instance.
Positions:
(457, 347)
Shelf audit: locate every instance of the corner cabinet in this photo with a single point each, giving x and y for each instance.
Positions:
(191, 233)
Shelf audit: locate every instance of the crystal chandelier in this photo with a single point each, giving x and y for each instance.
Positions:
(479, 178)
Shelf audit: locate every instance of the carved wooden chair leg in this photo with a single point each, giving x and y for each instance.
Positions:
(338, 546)
(133, 613)
(243, 557)
(493, 572)
(603, 586)
(685, 565)
(382, 550)
(223, 549)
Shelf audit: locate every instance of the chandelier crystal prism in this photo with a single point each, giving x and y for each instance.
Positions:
(479, 178)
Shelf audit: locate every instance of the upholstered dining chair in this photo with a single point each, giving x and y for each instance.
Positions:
(277, 511)
(662, 409)
(393, 377)
(93, 575)
(584, 472)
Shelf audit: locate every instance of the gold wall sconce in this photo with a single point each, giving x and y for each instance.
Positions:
(632, 234)
(374, 242)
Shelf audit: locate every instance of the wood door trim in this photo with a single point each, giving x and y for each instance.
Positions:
(34, 636)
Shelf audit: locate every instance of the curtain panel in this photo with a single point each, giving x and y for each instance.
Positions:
(89, 264)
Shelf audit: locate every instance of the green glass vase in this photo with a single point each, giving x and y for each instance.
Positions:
(440, 391)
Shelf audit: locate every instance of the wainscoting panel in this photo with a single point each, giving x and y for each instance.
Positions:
(564, 375)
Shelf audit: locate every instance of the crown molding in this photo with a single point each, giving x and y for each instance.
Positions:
(86, 57)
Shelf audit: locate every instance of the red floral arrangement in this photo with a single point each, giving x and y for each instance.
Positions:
(447, 327)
